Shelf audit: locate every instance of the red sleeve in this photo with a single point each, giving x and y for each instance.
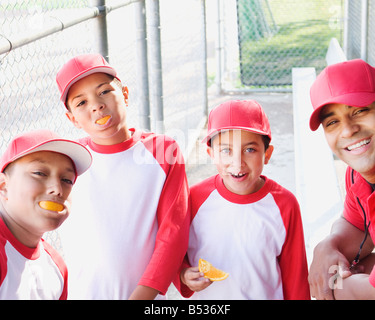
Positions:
(3, 260)
(351, 212)
(60, 265)
(292, 260)
(173, 217)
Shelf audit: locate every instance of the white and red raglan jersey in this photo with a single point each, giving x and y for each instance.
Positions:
(257, 238)
(30, 273)
(130, 215)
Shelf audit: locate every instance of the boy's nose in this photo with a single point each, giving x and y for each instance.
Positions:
(55, 188)
(98, 105)
(236, 160)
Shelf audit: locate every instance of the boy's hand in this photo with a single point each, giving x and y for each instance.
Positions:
(192, 278)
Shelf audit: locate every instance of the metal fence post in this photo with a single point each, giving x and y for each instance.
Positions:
(102, 33)
(204, 36)
(142, 66)
(155, 66)
(218, 49)
(364, 27)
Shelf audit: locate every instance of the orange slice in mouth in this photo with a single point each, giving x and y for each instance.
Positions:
(103, 120)
(51, 205)
(211, 272)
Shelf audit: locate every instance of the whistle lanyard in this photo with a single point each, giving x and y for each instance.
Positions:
(366, 226)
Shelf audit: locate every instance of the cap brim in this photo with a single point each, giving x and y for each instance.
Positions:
(80, 156)
(357, 99)
(215, 132)
(103, 69)
(76, 152)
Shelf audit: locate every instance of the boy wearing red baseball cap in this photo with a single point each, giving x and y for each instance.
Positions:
(37, 173)
(343, 98)
(132, 205)
(243, 222)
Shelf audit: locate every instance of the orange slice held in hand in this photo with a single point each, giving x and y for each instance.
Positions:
(103, 120)
(52, 206)
(211, 272)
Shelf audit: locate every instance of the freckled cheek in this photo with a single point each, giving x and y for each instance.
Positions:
(218, 159)
(220, 167)
(254, 160)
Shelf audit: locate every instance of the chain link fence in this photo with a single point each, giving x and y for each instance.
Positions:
(38, 37)
(29, 97)
(264, 39)
(360, 35)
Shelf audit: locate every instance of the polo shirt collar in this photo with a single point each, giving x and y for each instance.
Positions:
(361, 188)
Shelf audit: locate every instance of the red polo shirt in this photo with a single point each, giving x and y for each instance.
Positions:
(352, 210)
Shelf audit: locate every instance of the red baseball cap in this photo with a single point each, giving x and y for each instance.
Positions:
(79, 67)
(45, 140)
(351, 82)
(237, 114)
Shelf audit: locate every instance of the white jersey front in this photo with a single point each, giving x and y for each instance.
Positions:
(30, 273)
(256, 238)
(117, 214)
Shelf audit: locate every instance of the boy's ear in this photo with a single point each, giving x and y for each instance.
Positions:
(72, 119)
(210, 152)
(125, 92)
(268, 154)
(3, 186)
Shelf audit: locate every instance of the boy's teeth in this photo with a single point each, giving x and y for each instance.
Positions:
(238, 175)
(359, 144)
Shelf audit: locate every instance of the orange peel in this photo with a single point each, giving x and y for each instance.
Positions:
(51, 205)
(210, 272)
(103, 120)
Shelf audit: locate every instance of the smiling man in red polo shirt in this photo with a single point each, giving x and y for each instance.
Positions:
(343, 98)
